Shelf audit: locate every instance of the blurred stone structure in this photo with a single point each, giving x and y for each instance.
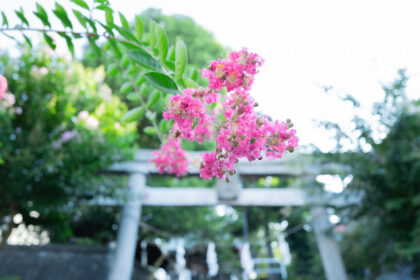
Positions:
(52, 262)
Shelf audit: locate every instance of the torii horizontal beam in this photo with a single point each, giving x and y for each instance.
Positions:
(290, 165)
(162, 196)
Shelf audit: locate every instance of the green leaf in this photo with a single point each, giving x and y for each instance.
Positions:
(126, 87)
(190, 83)
(61, 14)
(42, 15)
(140, 80)
(152, 33)
(92, 42)
(193, 74)
(125, 61)
(150, 130)
(27, 40)
(124, 21)
(49, 41)
(92, 24)
(134, 114)
(112, 70)
(170, 65)
(151, 116)
(163, 125)
(81, 3)
(180, 58)
(194, 124)
(109, 17)
(133, 96)
(102, 7)
(115, 48)
(153, 99)
(133, 69)
(171, 53)
(4, 19)
(81, 18)
(22, 17)
(139, 28)
(143, 58)
(162, 42)
(68, 41)
(162, 82)
(126, 33)
(109, 29)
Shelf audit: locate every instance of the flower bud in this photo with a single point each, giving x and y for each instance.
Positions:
(232, 172)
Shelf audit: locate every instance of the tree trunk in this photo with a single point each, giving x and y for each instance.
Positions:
(9, 227)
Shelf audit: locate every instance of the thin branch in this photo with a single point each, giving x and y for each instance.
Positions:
(45, 30)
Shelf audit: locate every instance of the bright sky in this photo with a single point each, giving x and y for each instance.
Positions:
(350, 45)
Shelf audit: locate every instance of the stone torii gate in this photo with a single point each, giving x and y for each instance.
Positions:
(225, 193)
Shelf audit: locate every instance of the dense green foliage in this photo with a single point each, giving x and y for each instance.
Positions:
(51, 150)
(388, 179)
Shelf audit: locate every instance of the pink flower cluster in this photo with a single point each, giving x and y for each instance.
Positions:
(191, 120)
(236, 72)
(239, 131)
(171, 158)
(3, 86)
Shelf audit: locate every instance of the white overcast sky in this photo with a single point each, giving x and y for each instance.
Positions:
(353, 46)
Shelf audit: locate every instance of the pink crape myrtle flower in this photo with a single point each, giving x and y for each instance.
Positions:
(235, 72)
(191, 120)
(239, 131)
(171, 158)
(3, 86)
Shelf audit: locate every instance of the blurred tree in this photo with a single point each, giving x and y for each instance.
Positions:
(60, 126)
(384, 230)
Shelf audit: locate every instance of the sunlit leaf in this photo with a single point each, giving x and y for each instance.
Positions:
(133, 96)
(27, 40)
(134, 114)
(180, 58)
(162, 82)
(22, 17)
(61, 14)
(126, 87)
(42, 15)
(162, 42)
(139, 28)
(4, 19)
(126, 33)
(109, 16)
(50, 41)
(190, 83)
(81, 3)
(143, 58)
(150, 130)
(112, 70)
(68, 41)
(124, 21)
(80, 17)
(153, 99)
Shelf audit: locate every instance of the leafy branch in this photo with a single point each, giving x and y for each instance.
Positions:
(162, 66)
